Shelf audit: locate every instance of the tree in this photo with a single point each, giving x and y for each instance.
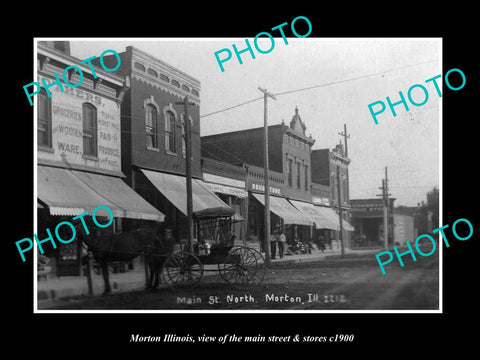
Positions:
(433, 205)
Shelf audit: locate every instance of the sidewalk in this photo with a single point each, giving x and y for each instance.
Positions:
(48, 291)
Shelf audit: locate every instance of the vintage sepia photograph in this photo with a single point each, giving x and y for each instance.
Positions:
(271, 174)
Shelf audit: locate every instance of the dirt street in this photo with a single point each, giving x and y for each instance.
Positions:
(353, 283)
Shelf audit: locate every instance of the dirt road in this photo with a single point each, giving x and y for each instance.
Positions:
(354, 283)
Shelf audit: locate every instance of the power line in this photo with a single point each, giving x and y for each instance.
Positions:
(319, 86)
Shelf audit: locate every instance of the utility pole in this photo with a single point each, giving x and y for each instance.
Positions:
(266, 94)
(340, 211)
(385, 215)
(384, 195)
(347, 195)
(188, 172)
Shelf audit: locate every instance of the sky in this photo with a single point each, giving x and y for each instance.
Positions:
(340, 78)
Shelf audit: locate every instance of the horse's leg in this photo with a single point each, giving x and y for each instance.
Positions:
(155, 272)
(106, 277)
(151, 271)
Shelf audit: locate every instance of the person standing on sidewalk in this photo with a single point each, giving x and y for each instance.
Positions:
(273, 243)
(282, 239)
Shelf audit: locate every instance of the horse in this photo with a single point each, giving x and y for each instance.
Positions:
(125, 247)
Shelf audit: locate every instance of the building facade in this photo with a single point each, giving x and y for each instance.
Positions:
(79, 152)
(367, 218)
(329, 169)
(153, 136)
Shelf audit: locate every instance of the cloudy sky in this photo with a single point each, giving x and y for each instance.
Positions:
(339, 78)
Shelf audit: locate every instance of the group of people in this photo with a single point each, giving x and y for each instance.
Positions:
(277, 238)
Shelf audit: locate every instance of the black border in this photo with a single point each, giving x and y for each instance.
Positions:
(401, 333)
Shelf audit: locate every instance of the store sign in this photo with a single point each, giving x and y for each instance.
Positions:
(320, 200)
(68, 130)
(228, 190)
(261, 187)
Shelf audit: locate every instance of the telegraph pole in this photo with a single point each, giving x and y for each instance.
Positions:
(385, 215)
(188, 172)
(266, 94)
(347, 195)
(340, 211)
(384, 195)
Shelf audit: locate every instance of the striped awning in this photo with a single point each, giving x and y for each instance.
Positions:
(74, 192)
(282, 208)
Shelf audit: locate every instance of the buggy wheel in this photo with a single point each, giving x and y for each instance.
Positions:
(182, 269)
(243, 265)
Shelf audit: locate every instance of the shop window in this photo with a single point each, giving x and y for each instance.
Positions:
(89, 117)
(151, 126)
(44, 120)
(170, 132)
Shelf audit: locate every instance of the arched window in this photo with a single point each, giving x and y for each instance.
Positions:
(151, 126)
(306, 177)
(170, 131)
(89, 117)
(44, 120)
(139, 66)
(152, 72)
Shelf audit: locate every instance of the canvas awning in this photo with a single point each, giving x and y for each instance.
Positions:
(319, 217)
(174, 188)
(281, 207)
(333, 216)
(74, 192)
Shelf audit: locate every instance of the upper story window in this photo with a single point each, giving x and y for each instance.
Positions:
(289, 171)
(195, 92)
(152, 72)
(89, 116)
(170, 131)
(186, 88)
(175, 83)
(139, 66)
(164, 78)
(298, 175)
(151, 126)
(306, 178)
(44, 119)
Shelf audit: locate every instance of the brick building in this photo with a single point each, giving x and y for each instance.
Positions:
(153, 141)
(291, 182)
(79, 152)
(325, 163)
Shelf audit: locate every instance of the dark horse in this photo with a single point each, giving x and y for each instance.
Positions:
(126, 246)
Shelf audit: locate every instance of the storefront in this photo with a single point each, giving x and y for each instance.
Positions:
(368, 219)
(78, 164)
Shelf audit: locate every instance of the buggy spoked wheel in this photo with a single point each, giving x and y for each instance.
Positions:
(182, 269)
(243, 265)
